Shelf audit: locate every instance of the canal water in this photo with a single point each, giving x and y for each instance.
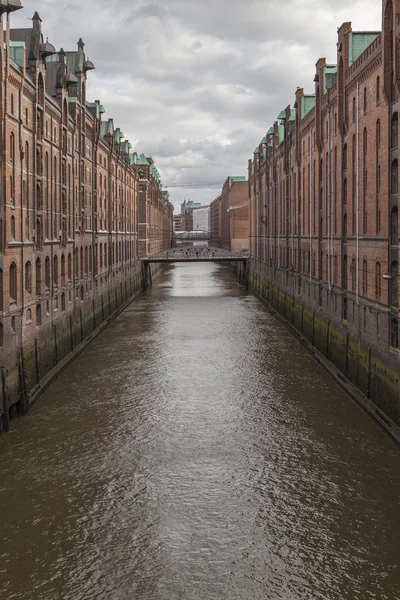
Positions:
(196, 451)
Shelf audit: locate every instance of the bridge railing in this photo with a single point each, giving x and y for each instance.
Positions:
(192, 235)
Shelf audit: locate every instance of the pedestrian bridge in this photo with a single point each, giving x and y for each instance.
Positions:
(192, 236)
(186, 255)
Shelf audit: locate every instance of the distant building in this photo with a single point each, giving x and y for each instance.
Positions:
(229, 215)
(177, 222)
(189, 205)
(239, 227)
(201, 219)
(187, 208)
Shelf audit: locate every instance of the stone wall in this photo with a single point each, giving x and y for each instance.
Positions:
(30, 367)
(357, 365)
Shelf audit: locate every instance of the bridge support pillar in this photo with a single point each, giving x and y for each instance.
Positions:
(244, 274)
(146, 275)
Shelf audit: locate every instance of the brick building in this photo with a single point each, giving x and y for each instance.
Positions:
(201, 219)
(215, 222)
(155, 210)
(177, 223)
(187, 208)
(323, 187)
(69, 197)
(229, 215)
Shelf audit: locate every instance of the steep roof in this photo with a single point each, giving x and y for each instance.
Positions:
(307, 104)
(359, 41)
(142, 160)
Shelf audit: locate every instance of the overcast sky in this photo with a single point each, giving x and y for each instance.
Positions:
(196, 84)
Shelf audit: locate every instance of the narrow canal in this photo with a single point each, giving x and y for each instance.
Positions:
(196, 451)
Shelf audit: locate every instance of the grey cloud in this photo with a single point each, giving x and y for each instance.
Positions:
(197, 83)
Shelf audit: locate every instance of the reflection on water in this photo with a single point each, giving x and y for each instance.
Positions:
(196, 451)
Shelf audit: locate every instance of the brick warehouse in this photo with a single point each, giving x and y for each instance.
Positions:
(78, 209)
(229, 215)
(323, 186)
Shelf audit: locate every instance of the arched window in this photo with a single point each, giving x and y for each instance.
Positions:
(353, 275)
(394, 284)
(12, 148)
(394, 183)
(394, 226)
(345, 192)
(395, 131)
(65, 113)
(86, 260)
(345, 309)
(13, 282)
(38, 315)
(365, 100)
(344, 273)
(12, 104)
(378, 280)
(90, 259)
(28, 316)
(105, 255)
(378, 89)
(76, 263)
(47, 272)
(28, 277)
(365, 278)
(82, 263)
(394, 333)
(345, 229)
(63, 302)
(378, 134)
(69, 267)
(40, 90)
(38, 277)
(12, 227)
(62, 269)
(354, 110)
(55, 270)
(365, 144)
(101, 256)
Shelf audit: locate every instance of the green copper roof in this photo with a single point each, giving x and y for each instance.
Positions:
(107, 128)
(359, 41)
(154, 172)
(118, 136)
(270, 131)
(126, 146)
(282, 115)
(330, 76)
(256, 151)
(142, 160)
(237, 179)
(17, 52)
(292, 115)
(307, 104)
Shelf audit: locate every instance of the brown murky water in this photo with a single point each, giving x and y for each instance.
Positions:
(195, 451)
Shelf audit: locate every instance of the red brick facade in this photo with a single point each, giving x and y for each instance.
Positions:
(229, 218)
(69, 198)
(323, 188)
